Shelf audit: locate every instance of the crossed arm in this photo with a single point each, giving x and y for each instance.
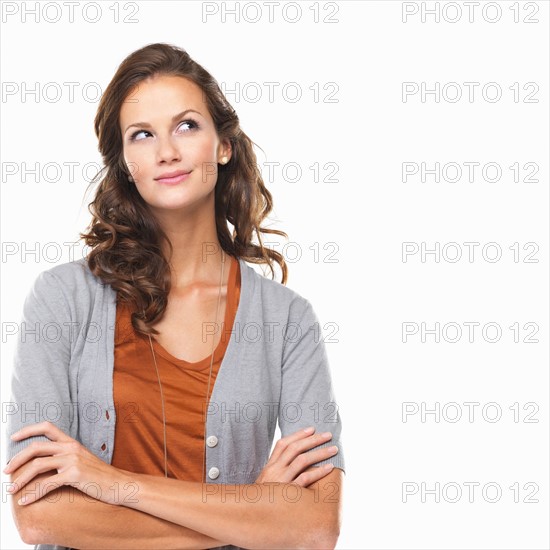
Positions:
(68, 517)
(174, 514)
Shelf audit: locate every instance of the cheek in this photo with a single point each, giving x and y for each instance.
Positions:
(205, 158)
(130, 160)
(206, 147)
(138, 162)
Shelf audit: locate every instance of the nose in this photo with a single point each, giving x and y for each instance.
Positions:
(167, 150)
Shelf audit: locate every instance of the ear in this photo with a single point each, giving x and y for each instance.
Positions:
(225, 150)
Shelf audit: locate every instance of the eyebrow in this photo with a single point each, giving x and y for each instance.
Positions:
(174, 118)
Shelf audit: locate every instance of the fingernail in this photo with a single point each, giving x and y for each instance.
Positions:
(328, 466)
(309, 430)
(333, 449)
(326, 434)
(22, 500)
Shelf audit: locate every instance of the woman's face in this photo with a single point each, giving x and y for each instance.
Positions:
(166, 128)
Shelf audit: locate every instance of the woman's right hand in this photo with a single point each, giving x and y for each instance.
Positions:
(289, 459)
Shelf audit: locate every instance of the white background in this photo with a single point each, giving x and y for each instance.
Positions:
(368, 211)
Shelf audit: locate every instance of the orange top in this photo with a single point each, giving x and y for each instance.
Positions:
(139, 445)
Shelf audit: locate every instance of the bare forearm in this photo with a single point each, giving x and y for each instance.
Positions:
(68, 517)
(265, 515)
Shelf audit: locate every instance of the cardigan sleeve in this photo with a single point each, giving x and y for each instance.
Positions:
(307, 395)
(40, 378)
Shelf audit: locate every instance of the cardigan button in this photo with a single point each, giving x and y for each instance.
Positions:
(213, 473)
(212, 441)
(103, 447)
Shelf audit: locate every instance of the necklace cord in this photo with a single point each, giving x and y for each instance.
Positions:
(207, 391)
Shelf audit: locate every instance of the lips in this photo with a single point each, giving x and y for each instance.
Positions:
(173, 177)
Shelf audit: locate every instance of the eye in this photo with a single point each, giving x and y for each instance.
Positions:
(135, 134)
(191, 123)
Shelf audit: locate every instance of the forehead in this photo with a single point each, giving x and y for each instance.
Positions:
(161, 97)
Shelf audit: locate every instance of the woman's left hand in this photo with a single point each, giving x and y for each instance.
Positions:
(75, 465)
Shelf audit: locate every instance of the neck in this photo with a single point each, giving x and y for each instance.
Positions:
(196, 252)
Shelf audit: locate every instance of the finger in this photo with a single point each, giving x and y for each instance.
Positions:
(37, 448)
(307, 459)
(38, 466)
(51, 431)
(296, 448)
(283, 443)
(44, 486)
(305, 479)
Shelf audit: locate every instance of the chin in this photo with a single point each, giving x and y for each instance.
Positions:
(175, 205)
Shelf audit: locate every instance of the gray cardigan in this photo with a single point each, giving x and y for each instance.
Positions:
(275, 369)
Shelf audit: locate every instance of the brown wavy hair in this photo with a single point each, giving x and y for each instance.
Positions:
(124, 235)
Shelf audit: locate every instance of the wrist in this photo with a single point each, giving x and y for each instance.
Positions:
(125, 488)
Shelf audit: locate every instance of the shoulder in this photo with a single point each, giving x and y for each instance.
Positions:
(69, 271)
(276, 299)
(72, 274)
(72, 282)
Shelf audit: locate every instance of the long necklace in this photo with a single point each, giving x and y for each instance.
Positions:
(207, 391)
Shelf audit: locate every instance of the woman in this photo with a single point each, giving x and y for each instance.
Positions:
(160, 404)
